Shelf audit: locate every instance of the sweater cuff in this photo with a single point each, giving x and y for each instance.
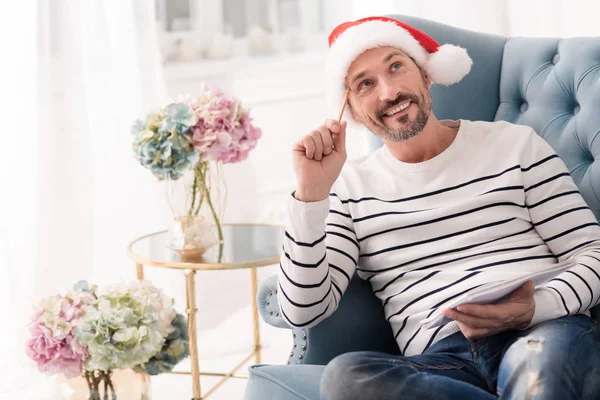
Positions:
(307, 220)
(546, 307)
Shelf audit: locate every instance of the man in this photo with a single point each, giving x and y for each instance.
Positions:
(441, 208)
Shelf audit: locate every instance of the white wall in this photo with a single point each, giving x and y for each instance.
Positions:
(285, 94)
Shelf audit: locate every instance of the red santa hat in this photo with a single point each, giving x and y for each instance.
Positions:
(445, 65)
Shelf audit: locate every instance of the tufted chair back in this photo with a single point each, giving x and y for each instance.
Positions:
(551, 85)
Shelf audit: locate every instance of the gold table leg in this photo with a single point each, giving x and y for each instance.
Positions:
(190, 294)
(255, 320)
(140, 271)
(191, 310)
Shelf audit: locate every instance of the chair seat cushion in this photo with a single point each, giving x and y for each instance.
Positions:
(284, 382)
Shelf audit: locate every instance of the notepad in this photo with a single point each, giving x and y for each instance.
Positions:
(495, 292)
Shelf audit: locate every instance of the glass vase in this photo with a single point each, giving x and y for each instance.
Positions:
(197, 203)
(120, 384)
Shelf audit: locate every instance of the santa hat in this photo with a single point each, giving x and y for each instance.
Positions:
(444, 65)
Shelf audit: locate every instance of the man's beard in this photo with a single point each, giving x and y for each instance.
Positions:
(403, 133)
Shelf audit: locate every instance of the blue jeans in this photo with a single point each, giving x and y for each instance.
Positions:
(558, 359)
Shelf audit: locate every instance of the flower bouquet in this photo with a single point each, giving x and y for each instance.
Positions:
(196, 135)
(90, 333)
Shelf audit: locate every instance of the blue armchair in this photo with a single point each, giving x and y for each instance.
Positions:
(552, 85)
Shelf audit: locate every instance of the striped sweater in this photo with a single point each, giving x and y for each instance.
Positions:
(497, 203)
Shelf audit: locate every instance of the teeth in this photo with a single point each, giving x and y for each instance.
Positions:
(397, 109)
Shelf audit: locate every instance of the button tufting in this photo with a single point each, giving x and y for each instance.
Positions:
(576, 109)
(524, 107)
(556, 59)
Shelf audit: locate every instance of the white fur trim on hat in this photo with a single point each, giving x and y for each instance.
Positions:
(448, 65)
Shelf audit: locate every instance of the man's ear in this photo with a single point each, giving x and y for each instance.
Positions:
(427, 80)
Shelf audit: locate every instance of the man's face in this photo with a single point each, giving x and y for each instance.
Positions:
(389, 93)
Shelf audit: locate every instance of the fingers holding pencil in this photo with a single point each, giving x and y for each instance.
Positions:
(319, 157)
(329, 137)
(338, 128)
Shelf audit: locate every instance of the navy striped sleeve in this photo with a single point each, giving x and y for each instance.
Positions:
(569, 229)
(319, 256)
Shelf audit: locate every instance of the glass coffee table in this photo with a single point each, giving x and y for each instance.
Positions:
(245, 246)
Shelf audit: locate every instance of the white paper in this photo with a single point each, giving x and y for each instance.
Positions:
(493, 292)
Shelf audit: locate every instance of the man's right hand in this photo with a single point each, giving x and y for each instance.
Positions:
(318, 160)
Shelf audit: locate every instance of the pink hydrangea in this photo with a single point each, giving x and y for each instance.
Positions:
(224, 131)
(53, 345)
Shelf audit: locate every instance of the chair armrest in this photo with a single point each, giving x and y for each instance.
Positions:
(358, 324)
(268, 305)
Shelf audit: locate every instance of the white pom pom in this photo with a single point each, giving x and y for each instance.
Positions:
(448, 65)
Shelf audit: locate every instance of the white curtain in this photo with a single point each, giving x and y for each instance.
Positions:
(77, 74)
(18, 174)
(99, 69)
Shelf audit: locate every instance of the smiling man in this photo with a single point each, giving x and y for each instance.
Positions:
(442, 208)
(361, 83)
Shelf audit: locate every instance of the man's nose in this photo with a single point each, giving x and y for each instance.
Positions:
(387, 91)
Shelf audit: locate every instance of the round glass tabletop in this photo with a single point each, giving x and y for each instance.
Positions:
(244, 246)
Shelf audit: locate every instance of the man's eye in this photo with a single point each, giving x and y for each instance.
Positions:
(396, 66)
(364, 84)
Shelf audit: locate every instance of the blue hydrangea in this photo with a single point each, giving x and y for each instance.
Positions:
(173, 351)
(162, 143)
(180, 117)
(82, 286)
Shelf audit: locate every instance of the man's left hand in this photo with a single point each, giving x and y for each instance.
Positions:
(479, 320)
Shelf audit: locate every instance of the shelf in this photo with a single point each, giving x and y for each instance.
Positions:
(178, 71)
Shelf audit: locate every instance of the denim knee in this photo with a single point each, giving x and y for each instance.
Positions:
(561, 360)
(343, 377)
(337, 376)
